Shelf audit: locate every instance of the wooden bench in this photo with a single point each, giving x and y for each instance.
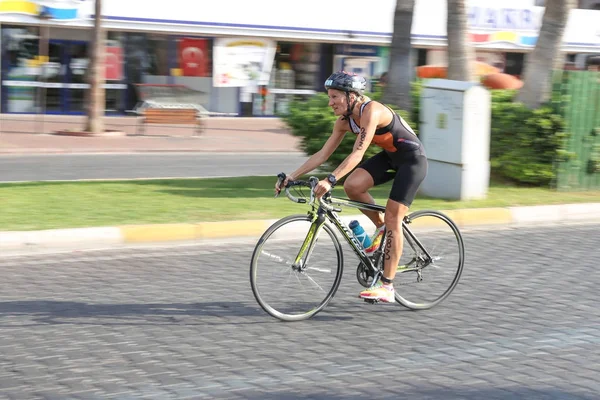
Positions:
(178, 116)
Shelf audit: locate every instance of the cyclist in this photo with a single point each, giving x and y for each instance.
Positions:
(402, 159)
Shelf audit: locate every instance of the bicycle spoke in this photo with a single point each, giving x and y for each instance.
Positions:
(278, 258)
(327, 271)
(314, 283)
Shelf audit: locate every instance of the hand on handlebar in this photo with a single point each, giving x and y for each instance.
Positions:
(282, 181)
(322, 188)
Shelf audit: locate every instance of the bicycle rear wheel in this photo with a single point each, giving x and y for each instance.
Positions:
(294, 271)
(432, 260)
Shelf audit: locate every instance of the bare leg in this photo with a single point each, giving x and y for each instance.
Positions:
(394, 240)
(356, 187)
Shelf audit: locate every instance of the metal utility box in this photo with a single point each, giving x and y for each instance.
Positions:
(455, 131)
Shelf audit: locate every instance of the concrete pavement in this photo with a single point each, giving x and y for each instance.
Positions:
(31, 134)
(181, 322)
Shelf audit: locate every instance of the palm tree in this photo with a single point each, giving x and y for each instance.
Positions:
(96, 75)
(461, 55)
(537, 76)
(400, 72)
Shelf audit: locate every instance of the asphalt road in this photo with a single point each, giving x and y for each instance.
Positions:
(52, 167)
(181, 322)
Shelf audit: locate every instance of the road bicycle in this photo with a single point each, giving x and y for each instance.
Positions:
(297, 264)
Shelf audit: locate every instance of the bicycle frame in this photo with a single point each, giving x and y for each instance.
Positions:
(348, 234)
(322, 214)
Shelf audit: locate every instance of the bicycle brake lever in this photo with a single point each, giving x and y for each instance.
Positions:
(280, 178)
(313, 180)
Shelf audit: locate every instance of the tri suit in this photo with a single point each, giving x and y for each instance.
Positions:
(403, 158)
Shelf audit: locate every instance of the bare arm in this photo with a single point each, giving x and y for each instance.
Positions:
(339, 131)
(369, 121)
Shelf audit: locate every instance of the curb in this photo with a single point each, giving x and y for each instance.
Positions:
(19, 151)
(161, 233)
(78, 133)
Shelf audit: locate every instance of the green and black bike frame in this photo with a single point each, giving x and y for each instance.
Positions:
(409, 237)
(326, 210)
(321, 214)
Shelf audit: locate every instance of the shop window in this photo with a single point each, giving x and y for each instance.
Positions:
(514, 63)
(590, 4)
(194, 57)
(158, 52)
(285, 76)
(20, 45)
(146, 55)
(146, 61)
(421, 57)
(592, 63)
(20, 66)
(296, 73)
(115, 72)
(304, 60)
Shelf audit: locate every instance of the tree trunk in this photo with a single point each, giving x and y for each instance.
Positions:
(461, 55)
(96, 75)
(400, 73)
(537, 75)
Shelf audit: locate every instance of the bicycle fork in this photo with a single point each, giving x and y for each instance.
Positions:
(308, 245)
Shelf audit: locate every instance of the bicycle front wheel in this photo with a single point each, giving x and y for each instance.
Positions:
(295, 271)
(432, 260)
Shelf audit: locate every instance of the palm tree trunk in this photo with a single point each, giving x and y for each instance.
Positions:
(537, 75)
(461, 55)
(400, 73)
(96, 74)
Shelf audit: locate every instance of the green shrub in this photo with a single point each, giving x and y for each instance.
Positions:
(525, 144)
(503, 96)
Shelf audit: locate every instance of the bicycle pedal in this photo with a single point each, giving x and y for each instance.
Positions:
(371, 301)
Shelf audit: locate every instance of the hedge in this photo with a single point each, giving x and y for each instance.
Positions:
(525, 144)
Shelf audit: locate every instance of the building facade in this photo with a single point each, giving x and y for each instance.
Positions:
(246, 57)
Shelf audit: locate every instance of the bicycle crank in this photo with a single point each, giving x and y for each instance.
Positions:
(364, 275)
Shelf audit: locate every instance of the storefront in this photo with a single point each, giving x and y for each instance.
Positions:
(63, 77)
(45, 46)
(297, 71)
(366, 60)
(503, 34)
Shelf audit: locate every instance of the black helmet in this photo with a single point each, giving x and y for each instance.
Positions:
(346, 82)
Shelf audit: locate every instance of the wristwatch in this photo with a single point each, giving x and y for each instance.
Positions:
(331, 179)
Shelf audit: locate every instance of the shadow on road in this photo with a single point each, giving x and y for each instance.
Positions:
(71, 312)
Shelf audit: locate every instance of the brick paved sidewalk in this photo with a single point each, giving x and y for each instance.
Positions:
(30, 134)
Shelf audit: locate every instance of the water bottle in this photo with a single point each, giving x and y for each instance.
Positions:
(360, 234)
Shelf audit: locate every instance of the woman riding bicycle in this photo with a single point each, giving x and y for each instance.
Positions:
(402, 159)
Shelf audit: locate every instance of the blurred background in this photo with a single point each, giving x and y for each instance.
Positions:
(248, 58)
